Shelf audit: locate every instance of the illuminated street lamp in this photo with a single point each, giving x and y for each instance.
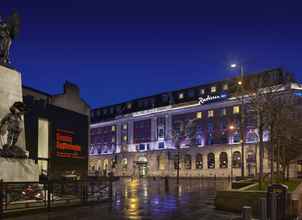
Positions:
(242, 139)
(232, 128)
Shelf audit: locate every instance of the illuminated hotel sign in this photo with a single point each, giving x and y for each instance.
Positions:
(65, 146)
(209, 98)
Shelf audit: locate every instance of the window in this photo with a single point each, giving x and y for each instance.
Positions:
(223, 112)
(92, 114)
(98, 112)
(125, 126)
(223, 124)
(43, 139)
(141, 147)
(165, 97)
(111, 110)
(211, 161)
(251, 136)
(236, 137)
(118, 108)
(199, 161)
(161, 163)
(113, 139)
(202, 91)
(105, 111)
(125, 138)
(161, 145)
(129, 106)
(199, 115)
(236, 160)
(210, 113)
(213, 89)
(113, 128)
(210, 139)
(223, 158)
(225, 87)
(210, 126)
(180, 95)
(191, 93)
(188, 162)
(125, 163)
(236, 109)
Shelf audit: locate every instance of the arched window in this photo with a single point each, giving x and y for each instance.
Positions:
(125, 163)
(223, 158)
(188, 161)
(211, 161)
(161, 162)
(199, 161)
(236, 159)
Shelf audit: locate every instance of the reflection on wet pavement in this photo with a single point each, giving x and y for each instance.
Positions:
(153, 199)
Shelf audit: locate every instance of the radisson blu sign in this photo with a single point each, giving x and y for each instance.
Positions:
(214, 98)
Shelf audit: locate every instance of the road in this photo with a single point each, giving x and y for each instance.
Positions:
(141, 199)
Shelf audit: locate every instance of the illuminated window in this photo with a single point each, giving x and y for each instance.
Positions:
(225, 87)
(125, 126)
(223, 112)
(113, 139)
(113, 128)
(125, 138)
(199, 115)
(236, 109)
(202, 91)
(129, 106)
(180, 95)
(213, 89)
(210, 113)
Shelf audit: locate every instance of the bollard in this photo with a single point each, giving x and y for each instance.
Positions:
(1, 198)
(263, 208)
(274, 206)
(246, 213)
(294, 208)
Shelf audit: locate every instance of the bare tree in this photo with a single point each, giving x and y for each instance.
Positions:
(183, 133)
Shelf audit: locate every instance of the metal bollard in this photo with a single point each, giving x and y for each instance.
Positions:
(263, 208)
(246, 213)
(274, 207)
(1, 198)
(294, 208)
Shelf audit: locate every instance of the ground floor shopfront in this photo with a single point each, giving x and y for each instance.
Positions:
(211, 161)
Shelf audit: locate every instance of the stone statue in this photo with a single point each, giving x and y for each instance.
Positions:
(8, 31)
(10, 125)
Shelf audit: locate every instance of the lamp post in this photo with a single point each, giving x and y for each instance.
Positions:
(232, 128)
(242, 138)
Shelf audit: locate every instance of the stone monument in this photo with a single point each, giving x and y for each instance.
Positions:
(14, 166)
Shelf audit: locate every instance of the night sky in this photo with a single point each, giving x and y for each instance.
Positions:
(120, 50)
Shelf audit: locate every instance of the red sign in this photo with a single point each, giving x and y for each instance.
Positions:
(65, 146)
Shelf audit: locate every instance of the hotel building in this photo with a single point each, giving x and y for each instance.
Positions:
(138, 137)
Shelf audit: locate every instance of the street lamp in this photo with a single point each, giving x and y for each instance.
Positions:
(232, 128)
(242, 139)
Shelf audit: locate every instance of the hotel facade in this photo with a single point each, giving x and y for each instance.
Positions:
(139, 137)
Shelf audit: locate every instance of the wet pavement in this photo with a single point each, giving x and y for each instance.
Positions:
(140, 199)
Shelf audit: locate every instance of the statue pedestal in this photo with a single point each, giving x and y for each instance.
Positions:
(18, 170)
(10, 92)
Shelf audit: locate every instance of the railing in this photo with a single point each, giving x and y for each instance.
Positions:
(24, 196)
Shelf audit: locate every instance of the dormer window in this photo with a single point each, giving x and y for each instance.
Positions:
(202, 91)
(181, 95)
(213, 89)
(129, 105)
(191, 93)
(104, 111)
(225, 87)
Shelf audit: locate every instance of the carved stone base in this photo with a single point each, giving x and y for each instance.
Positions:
(18, 170)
